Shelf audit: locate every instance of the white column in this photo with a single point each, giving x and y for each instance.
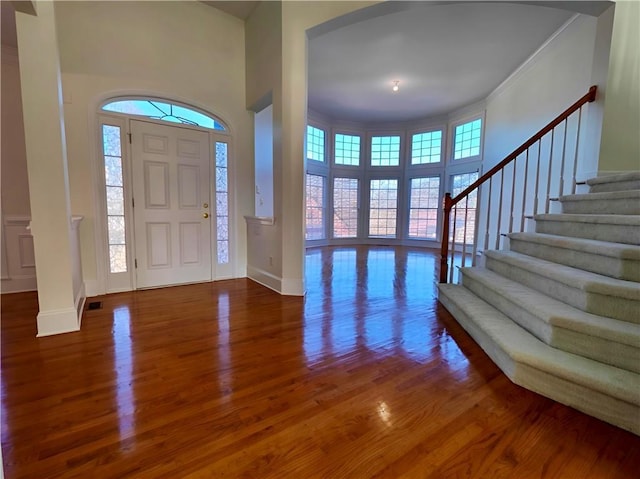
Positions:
(47, 168)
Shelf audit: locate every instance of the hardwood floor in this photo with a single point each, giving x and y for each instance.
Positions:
(367, 376)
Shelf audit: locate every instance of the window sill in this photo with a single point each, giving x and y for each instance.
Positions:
(260, 220)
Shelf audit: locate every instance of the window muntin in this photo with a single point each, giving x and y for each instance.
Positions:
(467, 140)
(315, 143)
(116, 233)
(315, 207)
(426, 147)
(459, 183)
(347, 149)
(345, 207)
(424, 204)
(165, 111)
(222, 202)
(385, 150)
(383, 208)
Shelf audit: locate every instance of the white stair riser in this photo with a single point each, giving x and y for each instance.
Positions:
(608, 352)
(626, 234)
(602, 207)
(626, 269)
(615, 186)
(591, 302)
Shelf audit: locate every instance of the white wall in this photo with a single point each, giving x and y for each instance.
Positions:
(181, 50)
(548, 83)
(541, 90)
(18, 269)
(15, 183)
(620, 147)
(280, 248)
(263, 144)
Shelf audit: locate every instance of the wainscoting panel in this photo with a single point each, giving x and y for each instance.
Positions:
(17, 249)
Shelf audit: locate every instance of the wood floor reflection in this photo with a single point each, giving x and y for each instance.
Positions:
(367, 376)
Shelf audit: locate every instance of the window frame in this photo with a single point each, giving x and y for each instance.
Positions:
(318, 126)
(459, 121)
(215, 118)
(348, 132)
(442, 128)
(402, 152)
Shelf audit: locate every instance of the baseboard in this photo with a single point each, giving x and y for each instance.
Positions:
(57, 321)
(19, 284)
(80, 300)
(265, 278)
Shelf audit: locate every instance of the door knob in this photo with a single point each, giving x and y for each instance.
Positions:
(205, 215)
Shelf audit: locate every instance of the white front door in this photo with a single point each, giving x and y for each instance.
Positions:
(171, 197)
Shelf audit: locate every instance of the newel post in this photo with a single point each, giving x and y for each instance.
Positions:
(444, 267)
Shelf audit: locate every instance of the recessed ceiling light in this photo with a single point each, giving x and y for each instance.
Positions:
(396, 86)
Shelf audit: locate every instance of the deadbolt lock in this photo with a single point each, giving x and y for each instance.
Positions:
(206, 205)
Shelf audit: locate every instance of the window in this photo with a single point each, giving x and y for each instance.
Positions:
(222, 203)
(385, 151)
(424, 204)
(112, 155)
(383, 208)
(315, 143)
(345, 207)
(315, 207)
(347, 150)
(165, 111)
(426, 147)
(467, 140)
(458, 184)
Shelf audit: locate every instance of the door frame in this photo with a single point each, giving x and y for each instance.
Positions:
(108, 282)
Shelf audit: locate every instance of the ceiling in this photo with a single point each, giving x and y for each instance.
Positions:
(445, 57)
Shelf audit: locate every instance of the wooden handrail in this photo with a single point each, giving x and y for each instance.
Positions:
(449, 202)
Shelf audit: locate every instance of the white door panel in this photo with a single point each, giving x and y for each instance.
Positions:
(170, 189)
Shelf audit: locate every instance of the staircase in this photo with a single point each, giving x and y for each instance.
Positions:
(559, 312)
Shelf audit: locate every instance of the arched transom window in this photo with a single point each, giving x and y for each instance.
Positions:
(165, 111)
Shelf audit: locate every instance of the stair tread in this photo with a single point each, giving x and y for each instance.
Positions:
(600, 196)
(574, 277)
(525, 348)
(603, 248)
(555, 312)
(627, 220)
(629, 176)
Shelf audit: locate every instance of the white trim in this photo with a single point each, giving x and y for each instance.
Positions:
(17, 220)
(529, 61)
(57, 321)
(80, 300)
(19, 284)
(265, 278)
(283, 286)
(260, 220)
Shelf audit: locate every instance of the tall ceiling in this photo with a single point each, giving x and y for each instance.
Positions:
(445, 56)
